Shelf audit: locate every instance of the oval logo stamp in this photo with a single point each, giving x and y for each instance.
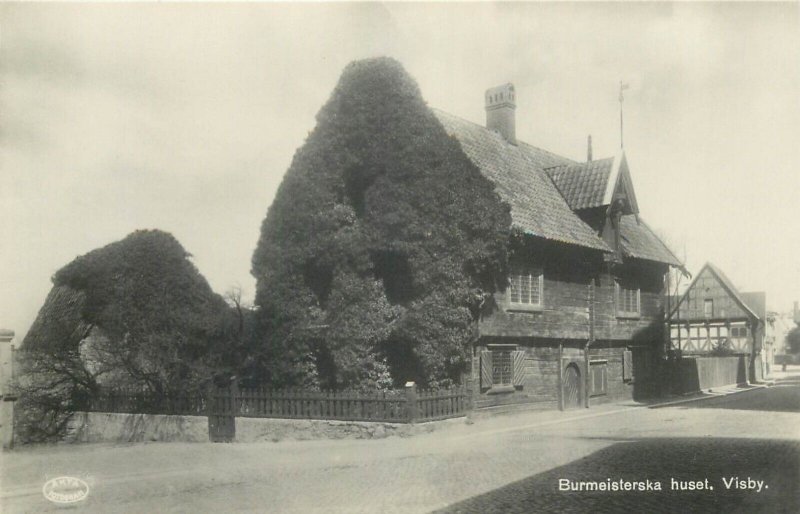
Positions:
(65, 490)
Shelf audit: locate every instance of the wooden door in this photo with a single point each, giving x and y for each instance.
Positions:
(221, 420)
(572, 387)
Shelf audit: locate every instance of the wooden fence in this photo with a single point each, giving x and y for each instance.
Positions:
(698, 373)
(398, 406)
(388, 406)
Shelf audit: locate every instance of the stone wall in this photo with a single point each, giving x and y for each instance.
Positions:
(250, 430)
(102, 427)
(96, 427)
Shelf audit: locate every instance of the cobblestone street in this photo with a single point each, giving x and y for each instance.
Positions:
(510, 463)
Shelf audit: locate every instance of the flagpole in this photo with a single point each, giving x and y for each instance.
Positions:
(621, 145)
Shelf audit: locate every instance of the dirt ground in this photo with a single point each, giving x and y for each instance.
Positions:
(510, 463)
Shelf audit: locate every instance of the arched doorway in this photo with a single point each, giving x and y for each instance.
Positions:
(572, 387)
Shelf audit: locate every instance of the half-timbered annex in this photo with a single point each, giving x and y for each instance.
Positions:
(581, 320)
(713, 318)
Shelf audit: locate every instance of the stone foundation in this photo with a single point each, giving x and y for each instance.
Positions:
(96, 427)
(100, 427)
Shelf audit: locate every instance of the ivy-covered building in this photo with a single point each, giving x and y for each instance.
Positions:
(581, 320)
(398, 226)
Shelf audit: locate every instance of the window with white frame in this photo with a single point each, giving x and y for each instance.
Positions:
(527, 286)
(628, 300)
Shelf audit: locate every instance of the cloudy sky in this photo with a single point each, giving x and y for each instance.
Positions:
(185, 117)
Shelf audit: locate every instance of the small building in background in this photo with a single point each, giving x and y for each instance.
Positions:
(713, 318)
(778, 326)
(7, 395)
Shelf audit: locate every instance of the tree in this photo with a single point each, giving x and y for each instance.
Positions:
(380, 244)
(793, 341)
(133, 313)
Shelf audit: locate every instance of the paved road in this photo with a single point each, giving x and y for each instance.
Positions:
(503, 464)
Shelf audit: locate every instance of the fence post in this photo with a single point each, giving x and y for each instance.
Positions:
(469, 387)
(411, 402)
(234, 390)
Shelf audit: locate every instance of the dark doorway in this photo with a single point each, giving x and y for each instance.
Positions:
(641, 373)
(572, 387)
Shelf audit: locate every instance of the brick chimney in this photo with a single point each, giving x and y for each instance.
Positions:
(796, 313)
(500, 107)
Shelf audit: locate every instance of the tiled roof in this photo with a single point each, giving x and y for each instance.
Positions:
(757, 301)
(723, 278)
(518, 173)
(639, 241)
(583, 185)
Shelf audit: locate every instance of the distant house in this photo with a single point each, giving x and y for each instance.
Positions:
(582, 318)
(777, 328)
(713, 318)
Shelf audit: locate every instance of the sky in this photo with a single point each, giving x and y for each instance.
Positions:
(184, 117)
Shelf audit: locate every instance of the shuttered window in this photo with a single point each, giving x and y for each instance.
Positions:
(627, 365)
(502, 367)
(527, 286)
(598, 377)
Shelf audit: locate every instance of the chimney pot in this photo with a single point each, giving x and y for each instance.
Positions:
(500, 107)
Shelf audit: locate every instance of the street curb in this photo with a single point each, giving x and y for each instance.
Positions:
(705, 396)
(627, 408)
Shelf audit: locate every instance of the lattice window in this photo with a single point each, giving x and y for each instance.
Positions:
(502, 369)
(527, 286)
(708, 308)
(628, 300)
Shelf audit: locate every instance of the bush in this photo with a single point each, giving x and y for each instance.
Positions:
(133, 313)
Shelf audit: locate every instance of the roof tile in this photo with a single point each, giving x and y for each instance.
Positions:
(640, 242)
(583, 185)
(519, 177)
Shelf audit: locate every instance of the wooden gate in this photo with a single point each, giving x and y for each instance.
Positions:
(572, 387)
(221, 420)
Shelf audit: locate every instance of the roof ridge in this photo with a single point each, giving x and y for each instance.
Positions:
(537, 206)
(519, 142)
(726, 283)
(576, 164)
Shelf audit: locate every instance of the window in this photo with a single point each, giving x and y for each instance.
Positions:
(527, 287)
(501, 367)
(738, 332)
(628, 300)
(708, 308)
(598, 377)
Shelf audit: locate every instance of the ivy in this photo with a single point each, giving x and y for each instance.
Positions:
(380, 241)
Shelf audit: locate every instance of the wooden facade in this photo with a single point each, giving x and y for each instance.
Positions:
(581, 319)
(579, 316)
